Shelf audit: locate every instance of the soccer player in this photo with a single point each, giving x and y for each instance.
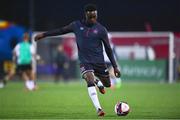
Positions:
(90, 38)
(24, 53)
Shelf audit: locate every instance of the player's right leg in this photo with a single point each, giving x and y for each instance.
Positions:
(88, 75)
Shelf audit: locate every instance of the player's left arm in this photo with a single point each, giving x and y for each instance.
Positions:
(109, 53)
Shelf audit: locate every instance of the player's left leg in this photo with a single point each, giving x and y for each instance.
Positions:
(105, 80)
(101, 71)
(100, 86)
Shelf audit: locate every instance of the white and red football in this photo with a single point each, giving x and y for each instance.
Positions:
(121, 108)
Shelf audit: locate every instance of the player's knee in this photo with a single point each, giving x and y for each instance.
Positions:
(89, 77)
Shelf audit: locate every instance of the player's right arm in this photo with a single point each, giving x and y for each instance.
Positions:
(60, 31)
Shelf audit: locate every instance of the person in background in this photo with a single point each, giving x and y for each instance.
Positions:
(10, 35)
(61, 64)
(23, 55)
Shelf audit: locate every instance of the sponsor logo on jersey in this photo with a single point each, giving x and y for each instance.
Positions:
(82, 68)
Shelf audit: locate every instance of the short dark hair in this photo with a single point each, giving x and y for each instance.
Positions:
(90, 7)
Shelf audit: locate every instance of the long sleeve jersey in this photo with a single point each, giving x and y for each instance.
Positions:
(90, 39)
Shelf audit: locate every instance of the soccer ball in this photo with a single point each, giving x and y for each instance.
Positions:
(121, 108)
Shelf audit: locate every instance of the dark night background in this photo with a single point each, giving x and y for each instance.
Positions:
(116, 15)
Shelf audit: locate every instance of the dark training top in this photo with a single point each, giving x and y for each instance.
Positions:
(89, 39)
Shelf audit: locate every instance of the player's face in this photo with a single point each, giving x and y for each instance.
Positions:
(26, 37)
(91, 16)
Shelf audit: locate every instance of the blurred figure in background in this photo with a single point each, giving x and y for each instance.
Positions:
(150, 53)
(10, 35)
(70, 49)
(61, 64)
(24, 53)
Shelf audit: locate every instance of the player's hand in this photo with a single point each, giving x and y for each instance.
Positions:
(117, 72)
(39, 36)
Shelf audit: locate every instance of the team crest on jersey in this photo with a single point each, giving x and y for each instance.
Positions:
(81, 28)
(95, 31)
(82, 68)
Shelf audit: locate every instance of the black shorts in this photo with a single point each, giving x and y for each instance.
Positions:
(21, 68)
(99, 69)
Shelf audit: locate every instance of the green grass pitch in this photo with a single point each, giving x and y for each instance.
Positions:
(71, 101)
